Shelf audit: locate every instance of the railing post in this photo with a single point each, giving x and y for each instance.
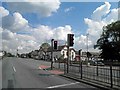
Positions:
(97, 67)
(81, 69)
(111, 80)
(65, 67)
(59, 64)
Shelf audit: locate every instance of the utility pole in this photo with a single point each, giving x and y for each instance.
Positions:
(52, 53)
(87, 41)
(87, 48)
(17, 53)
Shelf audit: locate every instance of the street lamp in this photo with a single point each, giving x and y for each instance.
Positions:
(87, 47)
(17, 53)
(87, 41)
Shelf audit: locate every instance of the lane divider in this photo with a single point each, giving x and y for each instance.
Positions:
(57, 86)
(14, 69)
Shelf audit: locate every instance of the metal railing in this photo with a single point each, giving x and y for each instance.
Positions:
(105, 75)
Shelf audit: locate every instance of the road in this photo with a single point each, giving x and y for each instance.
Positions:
(25, 73)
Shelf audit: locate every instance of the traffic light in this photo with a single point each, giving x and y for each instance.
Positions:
(55, 44)
(70, 39)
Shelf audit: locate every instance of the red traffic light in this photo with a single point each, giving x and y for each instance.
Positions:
(55, 44)
(70, 39)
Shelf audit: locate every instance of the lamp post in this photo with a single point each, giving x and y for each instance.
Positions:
(17, 53)
(87, 41)
(87, 47)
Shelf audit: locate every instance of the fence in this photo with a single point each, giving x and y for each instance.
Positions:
(106, 75)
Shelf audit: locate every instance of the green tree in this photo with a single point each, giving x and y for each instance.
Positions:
(45, 46)
(109, 42)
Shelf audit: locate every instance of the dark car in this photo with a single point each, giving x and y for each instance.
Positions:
(98, 63)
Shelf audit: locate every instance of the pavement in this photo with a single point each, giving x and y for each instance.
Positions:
(29, 73)
(53, 71)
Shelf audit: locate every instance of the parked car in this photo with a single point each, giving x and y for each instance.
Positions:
(98, 63)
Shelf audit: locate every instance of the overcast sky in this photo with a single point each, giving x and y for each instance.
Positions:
(26, 25)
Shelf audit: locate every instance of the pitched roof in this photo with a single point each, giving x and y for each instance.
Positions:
(59, 48)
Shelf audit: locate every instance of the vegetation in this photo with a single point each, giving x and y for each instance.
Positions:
(45, 46)
(109, 42)
(61, 59)
(7, 54)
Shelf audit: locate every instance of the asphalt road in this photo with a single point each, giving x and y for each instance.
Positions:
(25, 73)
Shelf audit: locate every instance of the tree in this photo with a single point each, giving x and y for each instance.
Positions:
(45, 46)
(109, 42)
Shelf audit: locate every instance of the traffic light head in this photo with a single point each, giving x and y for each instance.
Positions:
(70, 39)
(55, 44)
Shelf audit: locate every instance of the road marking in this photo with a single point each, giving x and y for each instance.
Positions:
(14, 69)
(40, 68)
(63, 85)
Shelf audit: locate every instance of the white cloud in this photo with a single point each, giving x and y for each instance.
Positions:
(43, 7)
(7, 35)
(94, 27)
(113, 16)
(81, 42)
(1, 29)
(14, 22)
(19, 22)
(3, 11)
(33, 37)
(42, 33)
(68, 9)
(60, 33)
(102, 16)
(101, 11)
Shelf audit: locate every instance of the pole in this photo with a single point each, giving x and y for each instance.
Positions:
(87, 48)
(68, 59)
(97, 66)
(52, 54)
(87, 42)
(17, 53)
(80, 63)
(111, 74)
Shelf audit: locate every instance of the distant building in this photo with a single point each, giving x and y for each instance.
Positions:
(61, 51)
(34, 54)
(93, 56)
(1, 53)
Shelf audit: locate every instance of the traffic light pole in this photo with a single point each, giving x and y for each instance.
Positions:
(68, 59)
(52, 54)
(70, 39)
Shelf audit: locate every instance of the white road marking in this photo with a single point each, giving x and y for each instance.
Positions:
(63, 85)
(40, 68)
(14, 69)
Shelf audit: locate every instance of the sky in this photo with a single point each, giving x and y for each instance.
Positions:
(26, 25)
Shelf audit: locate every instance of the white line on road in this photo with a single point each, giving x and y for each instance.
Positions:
(40, 68)
(63, 85)
(14, 69)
